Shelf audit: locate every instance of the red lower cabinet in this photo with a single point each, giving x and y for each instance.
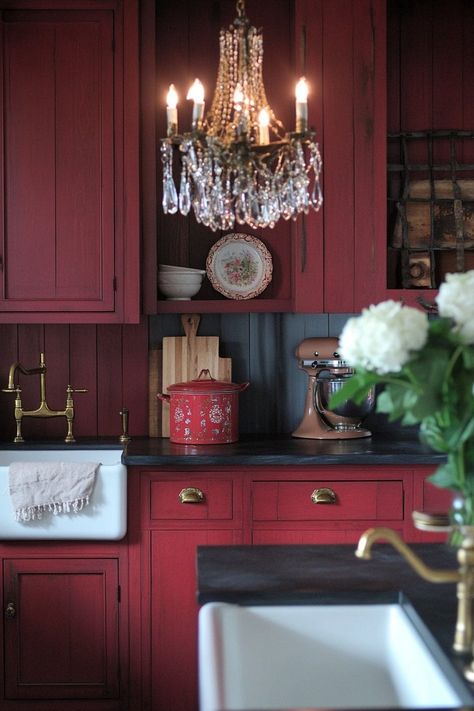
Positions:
(61, 633)
(113, 626)
(179, 511)
(327, 504)
(173, 616)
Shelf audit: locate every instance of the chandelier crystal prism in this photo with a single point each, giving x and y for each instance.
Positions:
(238, 164)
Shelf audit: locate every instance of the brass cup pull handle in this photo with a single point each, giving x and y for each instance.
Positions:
(10, 610)
(323, 496)
(191, 495)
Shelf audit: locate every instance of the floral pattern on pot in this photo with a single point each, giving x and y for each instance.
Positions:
(198, 419)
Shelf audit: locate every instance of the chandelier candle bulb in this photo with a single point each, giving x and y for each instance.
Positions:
(263, 130)
(171, 110)
(196, 94)
(301, 94)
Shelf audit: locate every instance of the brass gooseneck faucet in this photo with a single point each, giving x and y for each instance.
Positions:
(463, 576)
(43, 410)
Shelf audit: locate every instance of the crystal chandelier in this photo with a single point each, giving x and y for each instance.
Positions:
(238, 164)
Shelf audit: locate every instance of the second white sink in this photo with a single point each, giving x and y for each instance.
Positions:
(320, 656)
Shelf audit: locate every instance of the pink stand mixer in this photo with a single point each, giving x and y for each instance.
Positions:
(327, 372)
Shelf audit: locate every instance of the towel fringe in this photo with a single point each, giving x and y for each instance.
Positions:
(31, 513)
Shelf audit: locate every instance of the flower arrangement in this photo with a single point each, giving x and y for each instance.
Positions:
(427, 368)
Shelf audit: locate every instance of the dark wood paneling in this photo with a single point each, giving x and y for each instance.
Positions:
(339, 156)
(110, 361)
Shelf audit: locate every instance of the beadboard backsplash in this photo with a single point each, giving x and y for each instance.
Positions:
(112, 363)
(262, 349)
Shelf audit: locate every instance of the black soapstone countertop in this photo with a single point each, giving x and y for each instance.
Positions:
(279, 574)
(391, 447)
(284, 450)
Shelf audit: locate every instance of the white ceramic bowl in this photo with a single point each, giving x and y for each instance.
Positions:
(188, 270)
(177, 278)
(179, 292)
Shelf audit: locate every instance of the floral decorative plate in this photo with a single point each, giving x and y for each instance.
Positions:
(239, 266)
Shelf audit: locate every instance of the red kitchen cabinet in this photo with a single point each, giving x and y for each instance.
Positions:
(179, 511)
(318, 258)
(420, 84)
(327, 504)
(69, 242)
(61, 633)
(174, 510)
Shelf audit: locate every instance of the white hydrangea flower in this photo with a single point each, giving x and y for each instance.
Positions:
(383, 337)
(456, 301)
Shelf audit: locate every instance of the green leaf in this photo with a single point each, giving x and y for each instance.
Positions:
(467, 432)
(355, 388)
(468, 357)
(444, 477)
(390, 402)
(440, 327)
(432, 435)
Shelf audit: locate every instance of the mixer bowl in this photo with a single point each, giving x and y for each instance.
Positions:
(347, 416)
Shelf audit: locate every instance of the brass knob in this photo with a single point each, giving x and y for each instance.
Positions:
(323, 496)
(191, 495)
(10, 611)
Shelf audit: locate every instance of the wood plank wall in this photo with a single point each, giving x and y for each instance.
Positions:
(110, 361)
(262, 349)
(430, 62)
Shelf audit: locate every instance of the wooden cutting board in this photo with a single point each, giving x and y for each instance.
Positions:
(185, 356)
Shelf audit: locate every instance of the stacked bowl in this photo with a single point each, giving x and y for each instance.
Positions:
(179, 283)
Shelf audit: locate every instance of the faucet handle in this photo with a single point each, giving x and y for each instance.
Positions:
(69, 391)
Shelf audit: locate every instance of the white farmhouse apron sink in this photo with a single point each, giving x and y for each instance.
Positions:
(104, 518)
(321, 656)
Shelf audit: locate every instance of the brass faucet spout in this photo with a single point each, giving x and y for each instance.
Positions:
(463, 576)
(364, 550)
(40, 370)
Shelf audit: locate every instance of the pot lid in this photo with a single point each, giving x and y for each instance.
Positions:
(205, 383)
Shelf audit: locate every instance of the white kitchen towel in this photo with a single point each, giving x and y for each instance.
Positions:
(56, 487)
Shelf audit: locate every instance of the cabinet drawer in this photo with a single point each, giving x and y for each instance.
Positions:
(185, 499)
(353, 500)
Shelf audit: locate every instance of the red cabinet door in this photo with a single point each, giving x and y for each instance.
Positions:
(63, 164)
(173, 615)
(171, 527)
(61, 629)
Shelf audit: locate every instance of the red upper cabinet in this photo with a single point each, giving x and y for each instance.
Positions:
(70, 225)
(324, 261)
(423, 64)
(176, 56)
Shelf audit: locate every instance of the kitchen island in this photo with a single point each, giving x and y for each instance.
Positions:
(328, 574)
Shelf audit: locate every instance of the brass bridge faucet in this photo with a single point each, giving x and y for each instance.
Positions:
(463, 576)
(43, 410)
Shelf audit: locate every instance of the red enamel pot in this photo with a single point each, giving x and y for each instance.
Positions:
(204, 410)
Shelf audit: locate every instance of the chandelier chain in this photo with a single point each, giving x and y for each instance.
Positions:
(240, 7)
